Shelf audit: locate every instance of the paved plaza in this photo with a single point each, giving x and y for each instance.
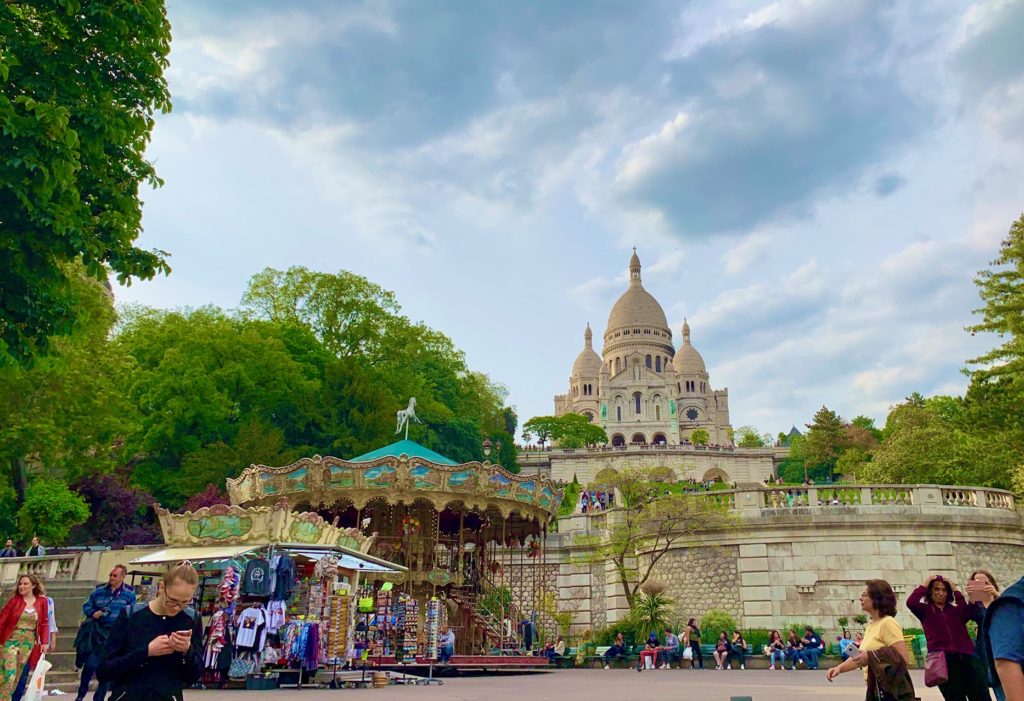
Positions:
(599, 685)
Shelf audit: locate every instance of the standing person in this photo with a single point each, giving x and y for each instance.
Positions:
(691, 639)
(944, 614)
(776, 650)
(35, 550)
(883, 644)
(983, 590)
(813, 647)
(445, 645)
(154, 650)
(24, 632)
(1004, 640)
(9, 549)
(103, 606)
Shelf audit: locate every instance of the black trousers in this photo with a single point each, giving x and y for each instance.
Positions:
(698, 656)
(965, 684)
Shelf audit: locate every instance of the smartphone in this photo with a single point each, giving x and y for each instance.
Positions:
(975, 591)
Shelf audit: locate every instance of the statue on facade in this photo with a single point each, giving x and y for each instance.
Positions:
(406, 415)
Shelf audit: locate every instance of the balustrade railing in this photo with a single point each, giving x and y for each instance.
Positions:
(49, 568)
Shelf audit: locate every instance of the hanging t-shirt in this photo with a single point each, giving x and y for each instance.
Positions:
(275, 615)
(256, 578)
(251, 626)
(285, 574)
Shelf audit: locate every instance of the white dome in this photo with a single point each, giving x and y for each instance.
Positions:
(688, 361)
(588, 363)
(636, 306)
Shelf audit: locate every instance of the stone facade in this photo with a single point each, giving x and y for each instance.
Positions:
(805, 556)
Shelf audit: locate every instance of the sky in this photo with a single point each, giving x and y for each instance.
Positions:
(812, 184)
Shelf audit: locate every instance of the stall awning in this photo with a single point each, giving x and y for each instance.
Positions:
(347, 558)
(194, 554)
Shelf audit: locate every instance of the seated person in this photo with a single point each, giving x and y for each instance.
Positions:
(795, 650)
(559, 648)
(549, 650)
(650, 652)
(813, 647)
(445, 645)
(618, 649)
(847, 646)
(737, 650)
(672, 651)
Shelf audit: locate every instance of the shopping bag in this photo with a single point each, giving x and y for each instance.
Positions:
(688, 653)
(36, 689)
(935, 670)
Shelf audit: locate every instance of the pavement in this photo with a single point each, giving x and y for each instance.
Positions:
(599, 684)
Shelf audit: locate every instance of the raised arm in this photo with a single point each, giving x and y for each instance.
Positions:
(915, 603)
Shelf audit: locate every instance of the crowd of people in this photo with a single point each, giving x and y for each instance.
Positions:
(33, 550)
(595, 500)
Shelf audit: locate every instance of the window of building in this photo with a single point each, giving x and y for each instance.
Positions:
(618, 364)
(618, 413)
(636, 402)
(657, 364)
(648, 362)
(657, 412)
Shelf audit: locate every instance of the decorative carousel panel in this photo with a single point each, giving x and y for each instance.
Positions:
(464, 481)
(525, 492)
(340, 477)
(380, 477)
(424, 477)
(440, 578)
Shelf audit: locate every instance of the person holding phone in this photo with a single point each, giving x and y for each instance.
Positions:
(154, 650)
(982, 590)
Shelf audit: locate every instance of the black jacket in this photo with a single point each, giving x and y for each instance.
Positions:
(91, 637)
(134, 675)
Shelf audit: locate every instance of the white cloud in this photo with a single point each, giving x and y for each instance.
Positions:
(747, 252)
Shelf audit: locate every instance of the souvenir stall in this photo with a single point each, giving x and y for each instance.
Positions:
(458, 530)
(277, 589)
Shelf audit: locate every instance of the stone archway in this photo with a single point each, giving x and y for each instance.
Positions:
(638, 439)
(618, 440)
(716, 474)
(659, 439)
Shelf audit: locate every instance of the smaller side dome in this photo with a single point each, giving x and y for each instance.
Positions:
(588, 363)
(687, 360)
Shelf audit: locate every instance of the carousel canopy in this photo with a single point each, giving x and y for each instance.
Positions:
(400, 473)
(406, 447)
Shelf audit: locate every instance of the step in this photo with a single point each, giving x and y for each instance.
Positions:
(63, 659)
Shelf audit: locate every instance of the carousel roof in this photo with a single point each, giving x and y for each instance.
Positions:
(402, 472)
(406, 447)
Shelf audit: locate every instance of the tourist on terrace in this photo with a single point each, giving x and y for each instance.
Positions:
(1004, 620)
(9, 549)
(776, 650)
(886, 666)
(445, 645)
(737, 649)
(618, 649)
(983, 590)
(721, 650)
(35, 550)
(813, 647)
(671, 651)
(795, 649)
(691, 639)
(944, 613)
(650, 652)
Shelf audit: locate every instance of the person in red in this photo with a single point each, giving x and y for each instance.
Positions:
(944, 613)
(24, 632)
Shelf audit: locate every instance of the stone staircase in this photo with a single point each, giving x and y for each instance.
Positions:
(68, 598)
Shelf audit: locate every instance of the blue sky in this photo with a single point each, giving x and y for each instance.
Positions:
(812, 184)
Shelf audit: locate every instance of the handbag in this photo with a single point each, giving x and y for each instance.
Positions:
(241, 667)
(935, 670)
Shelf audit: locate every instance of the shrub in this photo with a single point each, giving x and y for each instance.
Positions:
(756, 639)
(651, 613)
(50, 511)
(861, 619)
(843, 621)
(606, 635)
(714, 622)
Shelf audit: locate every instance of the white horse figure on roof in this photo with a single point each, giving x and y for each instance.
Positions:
(405, 416)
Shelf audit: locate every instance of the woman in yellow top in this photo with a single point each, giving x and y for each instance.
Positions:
(879, 602)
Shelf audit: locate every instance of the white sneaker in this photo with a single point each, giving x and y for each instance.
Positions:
(743, 666)
(606, 667)
(772, 668)
(729, 666)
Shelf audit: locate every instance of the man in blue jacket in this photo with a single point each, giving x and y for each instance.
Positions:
(104, 605)
(1004, 636)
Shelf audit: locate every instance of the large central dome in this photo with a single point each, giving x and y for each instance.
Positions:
(636, 306)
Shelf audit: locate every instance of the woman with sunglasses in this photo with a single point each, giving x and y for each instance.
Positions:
(156, 649)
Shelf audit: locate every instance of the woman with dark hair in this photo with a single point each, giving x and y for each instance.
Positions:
(776, 650)
(883, 640)
(691, 639)
(737, 649)
(795, 649)
(944, 613)
(982, 589)
(721, 650)
(24, 632)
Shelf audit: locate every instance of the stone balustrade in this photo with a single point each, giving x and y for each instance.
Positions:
(48, 568)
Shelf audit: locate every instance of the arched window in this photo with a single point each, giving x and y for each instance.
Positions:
(618, 439)
(657, 412)
(618, 365)
(648, 363)
(636, 402)
(679, 387)
(657, 364)
(618, 413)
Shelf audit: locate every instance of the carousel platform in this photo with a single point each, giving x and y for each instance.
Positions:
(465, 663)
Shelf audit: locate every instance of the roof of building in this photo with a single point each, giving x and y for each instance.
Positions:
(406, 447)
(636, 306)
(588, 362)
(688, 360)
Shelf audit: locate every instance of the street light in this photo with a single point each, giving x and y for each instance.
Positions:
(487, 447)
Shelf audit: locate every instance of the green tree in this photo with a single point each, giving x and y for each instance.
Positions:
(867, 424)
(749, 437)
(65, 414)
(651, 612)
(81, 81)
(541, 428)
(645, 526)
(576, 431)
(50, 511)
(700, 437)
(1001, 288)
(919, 447)
(825, 439)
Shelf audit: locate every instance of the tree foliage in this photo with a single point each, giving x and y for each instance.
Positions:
(50, 511)
(569, 430)
(119, 513)
(700, 437)
(81, 81)
(645, 526)
(749, 437)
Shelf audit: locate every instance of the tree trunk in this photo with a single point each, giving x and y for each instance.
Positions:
(19, 476)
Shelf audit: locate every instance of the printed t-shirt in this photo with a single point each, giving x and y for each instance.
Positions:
(256, 578)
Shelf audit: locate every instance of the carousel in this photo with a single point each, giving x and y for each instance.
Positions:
(467, 534)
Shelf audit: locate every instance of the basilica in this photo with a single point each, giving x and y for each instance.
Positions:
(642, 390)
